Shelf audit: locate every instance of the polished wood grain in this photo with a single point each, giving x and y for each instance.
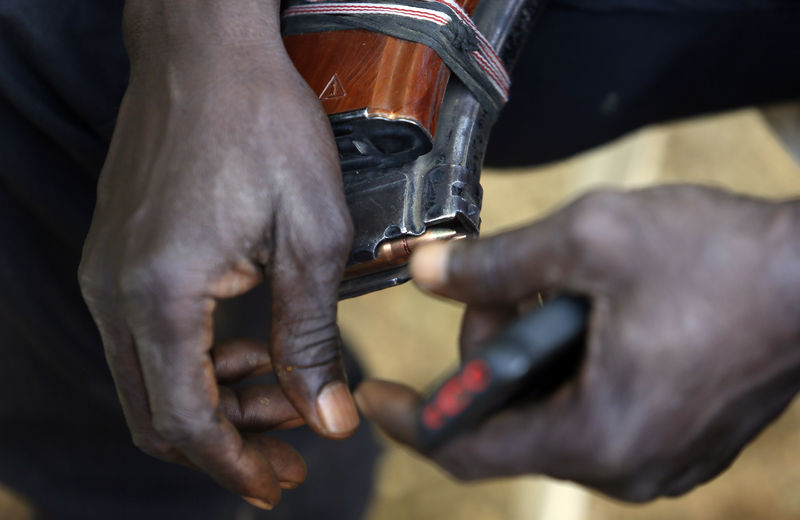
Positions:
(361, 70)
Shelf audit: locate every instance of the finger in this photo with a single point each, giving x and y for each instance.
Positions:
(501, 269)
(513, 441)
(575, 249)
(532, 439)
(239, 359)
(126, 371)
(290, 469)
(133, 396)
(305, 343)
(288, 465)
(392, 407)
(480, 324)
(173, 338)
(258, 408)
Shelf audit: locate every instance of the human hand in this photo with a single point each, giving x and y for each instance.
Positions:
(222, 172)
(691, 349)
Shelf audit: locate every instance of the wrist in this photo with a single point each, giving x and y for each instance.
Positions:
(159, 30)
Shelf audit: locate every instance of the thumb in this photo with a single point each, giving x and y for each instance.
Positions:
(585, 245)
(391, 406)
(305, 345)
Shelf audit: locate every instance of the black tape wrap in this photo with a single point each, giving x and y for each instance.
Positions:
(433, 23)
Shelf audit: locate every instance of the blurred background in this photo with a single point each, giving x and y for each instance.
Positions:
(404, 335)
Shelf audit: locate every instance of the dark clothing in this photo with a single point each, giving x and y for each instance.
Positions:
(592, 71)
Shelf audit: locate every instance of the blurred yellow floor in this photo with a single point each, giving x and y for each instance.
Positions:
(404, 335)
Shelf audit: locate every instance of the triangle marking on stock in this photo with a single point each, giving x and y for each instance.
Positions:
(333, 89)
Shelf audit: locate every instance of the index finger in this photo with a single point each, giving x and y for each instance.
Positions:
(515, 440)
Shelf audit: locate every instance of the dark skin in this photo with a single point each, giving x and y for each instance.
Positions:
(692, 347)
(202, 197)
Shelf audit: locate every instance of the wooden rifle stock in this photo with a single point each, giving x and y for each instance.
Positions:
(385, 98)
(382, 94)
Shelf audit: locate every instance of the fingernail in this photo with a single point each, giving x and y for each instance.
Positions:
(289, 485)
(336, 409)
(429, 265)
(257, 502)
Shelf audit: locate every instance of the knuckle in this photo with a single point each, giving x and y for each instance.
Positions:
(318, 254)
(336, 237)
(636, 476)
(312, 343)
(85, 275)
(152, 445)
(341, 223)
(93, 283)
(149, 280)
(615, 457)
(598, 224)
(175, 428)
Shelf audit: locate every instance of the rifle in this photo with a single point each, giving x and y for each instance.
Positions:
(412, 140)
(411, 135)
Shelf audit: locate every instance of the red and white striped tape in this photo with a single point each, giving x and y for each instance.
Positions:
(485, 56)
(486, 49)
(417, 13)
